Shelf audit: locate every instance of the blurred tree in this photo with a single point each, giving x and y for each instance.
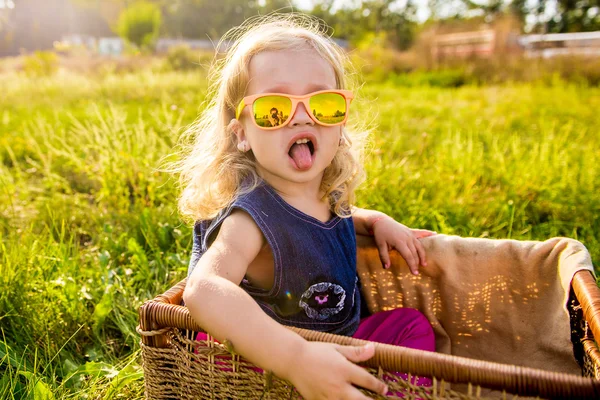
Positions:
(226, 14)
(203, 18)
(323, 10)
(354, 22)
(544, 15)
(281, 6)
(490, 8)
(520, 9)
(575, 16)
(210, 19)
(35, 24)
(397, 22)
(140, 23)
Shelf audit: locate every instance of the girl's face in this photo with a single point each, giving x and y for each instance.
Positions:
(278, 159)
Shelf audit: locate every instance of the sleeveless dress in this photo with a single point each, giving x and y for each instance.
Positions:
(315, 281)
(316, 285)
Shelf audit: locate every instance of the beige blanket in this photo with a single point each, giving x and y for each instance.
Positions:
(494, 300)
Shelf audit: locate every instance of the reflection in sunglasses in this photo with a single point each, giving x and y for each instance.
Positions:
(274, 111)
(327, 107)
(275, 117)
(269, 111)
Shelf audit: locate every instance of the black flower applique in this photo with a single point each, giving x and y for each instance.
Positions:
(322, 300)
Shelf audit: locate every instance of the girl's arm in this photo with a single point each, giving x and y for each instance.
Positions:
(390, 234)
(226, 311)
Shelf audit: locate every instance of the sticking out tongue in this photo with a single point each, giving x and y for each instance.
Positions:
(300, 153)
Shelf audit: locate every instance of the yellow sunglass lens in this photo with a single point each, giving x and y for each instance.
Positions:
(271, 111)
(328, 108)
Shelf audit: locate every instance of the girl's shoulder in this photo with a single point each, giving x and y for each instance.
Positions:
(235, 232)
(239, 232)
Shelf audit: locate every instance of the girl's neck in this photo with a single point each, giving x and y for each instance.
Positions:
(304, 196)
(309, 190)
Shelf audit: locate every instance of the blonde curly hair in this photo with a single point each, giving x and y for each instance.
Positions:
(210, 168)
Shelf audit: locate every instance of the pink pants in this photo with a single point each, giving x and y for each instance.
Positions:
(405, 327)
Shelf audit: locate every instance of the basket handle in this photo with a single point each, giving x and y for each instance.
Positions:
(587, 293)
(454, 369)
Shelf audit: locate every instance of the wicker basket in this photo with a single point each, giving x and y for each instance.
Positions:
(176, 366)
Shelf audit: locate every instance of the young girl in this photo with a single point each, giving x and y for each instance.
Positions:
(274, 241)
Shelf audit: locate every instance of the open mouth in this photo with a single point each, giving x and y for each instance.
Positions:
(300, 142)
(301, 153)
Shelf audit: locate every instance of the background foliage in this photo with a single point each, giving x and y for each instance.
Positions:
(504, 147)
(89, 228)
(140, 24)
(28, 24)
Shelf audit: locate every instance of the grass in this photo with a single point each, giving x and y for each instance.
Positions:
(89, 229)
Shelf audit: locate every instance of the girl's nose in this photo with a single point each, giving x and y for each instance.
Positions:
(301, 116)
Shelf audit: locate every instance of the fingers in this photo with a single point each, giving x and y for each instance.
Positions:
(355, 395)
(409, 255)
(421, 252)
(409, 247)
(384, 254)
(422, 233)
(414, 264)
(417, 255)
(357, 353)
(407, 251)
(360, 377)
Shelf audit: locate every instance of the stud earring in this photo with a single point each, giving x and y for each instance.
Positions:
(343, 141)
(242, 146)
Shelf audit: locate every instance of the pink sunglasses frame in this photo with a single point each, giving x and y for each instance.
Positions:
(249, 101)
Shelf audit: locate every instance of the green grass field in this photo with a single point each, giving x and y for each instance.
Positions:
(89, 228)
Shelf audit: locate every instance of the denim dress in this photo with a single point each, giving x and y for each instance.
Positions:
(315, 281)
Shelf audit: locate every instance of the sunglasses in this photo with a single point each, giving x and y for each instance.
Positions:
(273, 110)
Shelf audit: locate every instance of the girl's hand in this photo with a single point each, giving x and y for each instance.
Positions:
(390, 234)
(324, 371)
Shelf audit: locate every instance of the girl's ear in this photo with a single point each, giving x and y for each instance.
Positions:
(344, 139)
(237, 128)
